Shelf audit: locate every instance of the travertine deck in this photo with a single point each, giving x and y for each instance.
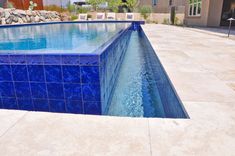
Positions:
(202, 69)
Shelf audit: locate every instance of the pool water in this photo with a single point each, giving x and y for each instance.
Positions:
(142, 88)
(64, 38)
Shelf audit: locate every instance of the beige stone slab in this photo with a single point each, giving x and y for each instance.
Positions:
(61, 134)
(200, 87)
(210, 132)
(8, 119)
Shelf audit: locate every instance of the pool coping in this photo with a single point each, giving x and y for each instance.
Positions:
(67, 22)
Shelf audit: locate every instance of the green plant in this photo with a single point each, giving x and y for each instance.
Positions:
(82, 10)
(165, 21)
(145, 11)
(95, 3)
(54, 8)
(32, 5)
(71, 8)
(155, 21)
(74, 17)
(114, 5)
(131, 4)
(9, 4)
(89, 16)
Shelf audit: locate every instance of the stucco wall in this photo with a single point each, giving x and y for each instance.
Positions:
(161, 7)
(215, 11)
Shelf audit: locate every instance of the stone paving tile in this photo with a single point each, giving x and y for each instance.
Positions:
(210, 132)
(201, 68)
(62, 134)
(8, 119)
(200, 87)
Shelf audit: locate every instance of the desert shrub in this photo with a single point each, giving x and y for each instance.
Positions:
(145, 11)
(165, 21)
(89, 16)
(10, 4)
(71, 7)
(32, 5)
(54, 8)
(82, 10)
(155, 21)
(74, 17)
(131, 4)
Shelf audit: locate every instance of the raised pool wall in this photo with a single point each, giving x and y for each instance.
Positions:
(63, 83)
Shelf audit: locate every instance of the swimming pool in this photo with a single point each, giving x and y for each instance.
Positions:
(104, 68)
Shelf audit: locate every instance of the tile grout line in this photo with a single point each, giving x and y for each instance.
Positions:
(12, 126)
(149, 135)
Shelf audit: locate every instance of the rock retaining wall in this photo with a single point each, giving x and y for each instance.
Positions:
(15, 16)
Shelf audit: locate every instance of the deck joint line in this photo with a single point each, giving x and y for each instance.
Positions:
(12, 126)
(149, 135)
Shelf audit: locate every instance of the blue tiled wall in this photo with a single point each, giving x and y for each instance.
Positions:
(110, 63)
(61, 83)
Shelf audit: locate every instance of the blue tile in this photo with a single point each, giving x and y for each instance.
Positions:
(19, 72)
(71, 74)
(91, 92)
(25, 104)
(70, 59)
(22, 89)
(92, 107)
(57, 106)
(52, 59)
(41, 105)
(38, 90)
(90, 60)
(4, 59)
(53, 73)
(7, 89)
(17, 59)
(74, 106)
(1, 106)
(36, 73)
(5, 73)
(55, 91)
(90, 74)
(72, 91)
(9, 103)
(34, 59)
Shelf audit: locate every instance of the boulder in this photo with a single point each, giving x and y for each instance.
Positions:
(3, 21)
(7, 14)
(37, 19)
(28, 19)
(20, 21)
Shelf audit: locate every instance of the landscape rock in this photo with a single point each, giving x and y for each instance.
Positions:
(16, 16)
(3, 21)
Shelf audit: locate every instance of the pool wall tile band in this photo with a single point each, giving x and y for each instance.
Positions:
(61, 83)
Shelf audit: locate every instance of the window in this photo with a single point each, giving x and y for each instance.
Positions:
(195, 7)
(154, 2)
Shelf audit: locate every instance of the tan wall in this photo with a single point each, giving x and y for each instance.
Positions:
(201, 20)
(215, 11)
(156, 17)
(161, 7)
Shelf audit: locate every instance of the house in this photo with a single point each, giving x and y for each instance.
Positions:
(209, 12)
(163, 6)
